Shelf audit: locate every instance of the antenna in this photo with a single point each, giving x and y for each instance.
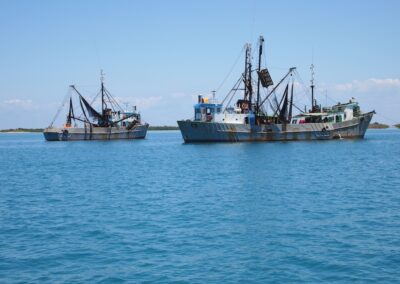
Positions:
(102, 75)
(326, 98)
(249, 82)
(103, 103)
(126, 106)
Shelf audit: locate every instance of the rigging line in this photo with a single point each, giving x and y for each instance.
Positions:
(230, 71)
(79, 95)
(276, 86)
(229, 102)
(90, 94)
(305, 89)
(233, 91)
(302, 111)
(111, 98)
(263, 90)
(68, 94)
(293, 103)
(385, 117)
(234, 87)
(95, 97)
(330, 98)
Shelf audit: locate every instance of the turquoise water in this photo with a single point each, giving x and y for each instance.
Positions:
(158, 210)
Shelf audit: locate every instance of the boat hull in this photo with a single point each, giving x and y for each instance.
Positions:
(197, 131)
(94, 133)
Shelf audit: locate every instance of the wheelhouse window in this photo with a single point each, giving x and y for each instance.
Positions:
(197, 114)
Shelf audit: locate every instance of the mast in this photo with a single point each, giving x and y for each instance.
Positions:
(312, 86)
(291, 103)
(103, 103)
(261, 41)
(249, 82)
(245, 72)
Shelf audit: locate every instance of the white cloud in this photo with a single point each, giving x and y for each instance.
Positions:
(369, 85)
(381, 95)
(146, 103)
(141, 102)
(17, 103)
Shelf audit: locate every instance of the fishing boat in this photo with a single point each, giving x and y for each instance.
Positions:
(110, 123)
(251, 118)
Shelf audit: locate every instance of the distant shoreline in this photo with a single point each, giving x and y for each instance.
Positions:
(377, 125)
(21, 130)
(37, 130)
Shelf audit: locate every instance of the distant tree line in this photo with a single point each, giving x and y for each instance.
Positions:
(41, 129)
(22, 130)
(377, 125)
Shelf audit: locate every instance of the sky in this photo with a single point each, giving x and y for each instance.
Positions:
(159, 55)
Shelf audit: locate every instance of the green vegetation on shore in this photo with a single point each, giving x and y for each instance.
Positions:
(14, 130)
(377, 125)
(22, 130)
(163, 127)
(397, 125)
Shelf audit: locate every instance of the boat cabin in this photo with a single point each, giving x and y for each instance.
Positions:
(205, 110)
(337, 113)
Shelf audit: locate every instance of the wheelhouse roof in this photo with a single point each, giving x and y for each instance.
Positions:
(312, 114)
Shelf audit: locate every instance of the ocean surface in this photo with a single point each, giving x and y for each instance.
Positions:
(158, 210)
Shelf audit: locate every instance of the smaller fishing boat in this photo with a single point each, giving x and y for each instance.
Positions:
(110, 123)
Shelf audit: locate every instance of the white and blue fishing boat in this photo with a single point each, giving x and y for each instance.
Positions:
(110, 123)
(250, 119)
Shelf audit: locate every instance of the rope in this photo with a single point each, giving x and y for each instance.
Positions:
(233, 91)
(385, 117)
(61, 107)
(231, 70)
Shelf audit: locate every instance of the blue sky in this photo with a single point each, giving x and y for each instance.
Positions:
(161, 54)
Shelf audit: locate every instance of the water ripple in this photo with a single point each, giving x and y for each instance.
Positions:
(162, 211)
